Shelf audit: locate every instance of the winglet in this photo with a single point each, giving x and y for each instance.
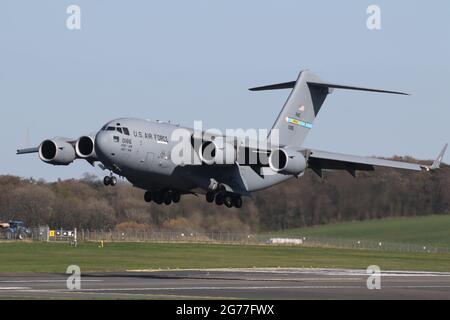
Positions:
(437, 163)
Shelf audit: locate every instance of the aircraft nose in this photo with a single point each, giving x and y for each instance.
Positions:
(102, 141)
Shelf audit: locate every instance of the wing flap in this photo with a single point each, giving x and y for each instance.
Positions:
(336, 161)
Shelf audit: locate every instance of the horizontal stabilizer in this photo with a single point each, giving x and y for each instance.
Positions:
(285, 85)
(308, 94)
(337, 86)
(291, 84)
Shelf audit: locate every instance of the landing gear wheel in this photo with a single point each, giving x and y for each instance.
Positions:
(237, 202)
(176, 196)
(113, 181)
(219, 199)
(157, 197)
(107, 180)
(228, 201)
(210, 196)
(167, 197)
(148, 196)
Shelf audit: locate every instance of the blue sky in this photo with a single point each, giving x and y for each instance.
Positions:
(194, 60)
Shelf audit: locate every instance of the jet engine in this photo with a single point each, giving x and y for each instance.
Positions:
(84, 147)
(217, 152)
(57, 152)
(287, 161)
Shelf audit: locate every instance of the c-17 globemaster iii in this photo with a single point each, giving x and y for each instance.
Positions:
(222, 167)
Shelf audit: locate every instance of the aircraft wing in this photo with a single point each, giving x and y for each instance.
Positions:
(323, 160)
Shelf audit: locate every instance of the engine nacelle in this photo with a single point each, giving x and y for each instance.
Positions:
(57, 152)
(85, 148)
(287, 161)
(217, 152)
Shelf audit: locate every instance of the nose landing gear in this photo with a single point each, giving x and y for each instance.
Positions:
(110, 180)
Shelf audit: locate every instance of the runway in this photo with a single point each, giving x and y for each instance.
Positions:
(229, 284)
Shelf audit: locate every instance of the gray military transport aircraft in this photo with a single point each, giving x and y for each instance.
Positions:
(224, 168)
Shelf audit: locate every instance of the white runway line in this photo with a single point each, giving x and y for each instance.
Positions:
(45, 281)
(216, 288)
(289, 279)
(14, 288)
(312, 271)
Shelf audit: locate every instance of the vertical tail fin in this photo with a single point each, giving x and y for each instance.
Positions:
(298, 113)
(303, 104)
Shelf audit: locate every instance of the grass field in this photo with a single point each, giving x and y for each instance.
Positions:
(55, 257)
(429, 230)
(425, 230)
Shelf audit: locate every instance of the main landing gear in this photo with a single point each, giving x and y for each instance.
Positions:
(222, 197)
(162, 196)
(110, 180)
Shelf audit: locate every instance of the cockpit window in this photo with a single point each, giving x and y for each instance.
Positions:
(119, 129)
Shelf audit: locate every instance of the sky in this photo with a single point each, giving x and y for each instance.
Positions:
(194, 60)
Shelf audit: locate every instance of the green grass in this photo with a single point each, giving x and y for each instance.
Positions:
(425, 230)
(55, 257)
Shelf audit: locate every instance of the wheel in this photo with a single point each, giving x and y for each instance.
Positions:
(9, 235)
(113, 181)
(157, 197)
(209, 196)
(167, 197)
(237, 201)
(219, 199)
(228, 201)
(107, 181)
(21, 235)
(176, 196)
(148, 196)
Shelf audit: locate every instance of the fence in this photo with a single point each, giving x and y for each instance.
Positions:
(165, 236)
(372, 245)
(46, 234)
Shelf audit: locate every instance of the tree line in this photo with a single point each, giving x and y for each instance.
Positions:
(307, 201)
